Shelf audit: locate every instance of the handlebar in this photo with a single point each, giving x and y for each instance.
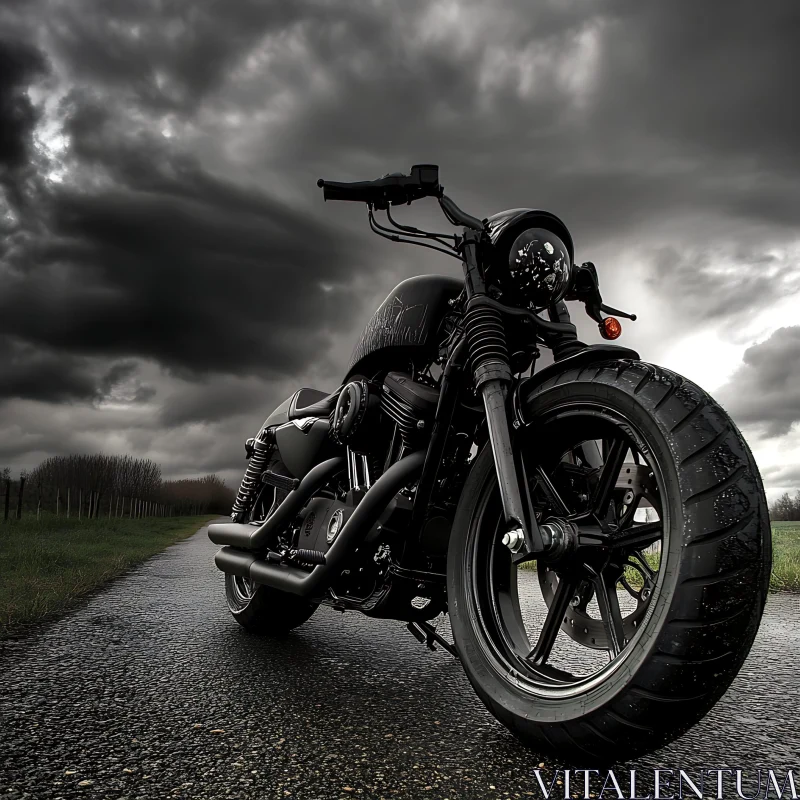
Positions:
(394, 189)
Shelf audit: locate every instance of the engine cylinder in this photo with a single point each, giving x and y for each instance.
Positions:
(411, 405)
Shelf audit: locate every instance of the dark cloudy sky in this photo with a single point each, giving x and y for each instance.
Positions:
(169, 271)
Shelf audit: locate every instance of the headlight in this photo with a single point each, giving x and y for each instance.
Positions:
(539, 266)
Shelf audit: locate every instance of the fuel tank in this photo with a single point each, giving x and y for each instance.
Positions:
(406, 325)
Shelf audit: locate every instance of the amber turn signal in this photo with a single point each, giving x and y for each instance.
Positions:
(611, 328)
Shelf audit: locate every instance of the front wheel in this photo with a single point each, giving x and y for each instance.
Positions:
(628, 635)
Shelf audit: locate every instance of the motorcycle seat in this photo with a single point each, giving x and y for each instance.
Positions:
(312, 403)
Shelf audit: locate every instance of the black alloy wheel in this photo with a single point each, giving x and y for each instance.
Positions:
(632, 628)
(609, 552)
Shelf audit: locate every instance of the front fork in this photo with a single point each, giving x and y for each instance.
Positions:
(488, 354)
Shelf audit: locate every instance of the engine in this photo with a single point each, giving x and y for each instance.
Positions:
(400, 410)
(411, 405)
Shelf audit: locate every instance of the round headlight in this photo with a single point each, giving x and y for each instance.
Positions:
(540, 266)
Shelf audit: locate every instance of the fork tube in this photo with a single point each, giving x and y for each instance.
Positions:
(488, 353)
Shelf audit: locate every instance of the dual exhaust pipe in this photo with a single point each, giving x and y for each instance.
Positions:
(244, 545)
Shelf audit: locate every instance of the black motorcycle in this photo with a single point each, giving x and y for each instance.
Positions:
(596, 530)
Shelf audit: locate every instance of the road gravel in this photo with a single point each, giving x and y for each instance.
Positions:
(150, 690)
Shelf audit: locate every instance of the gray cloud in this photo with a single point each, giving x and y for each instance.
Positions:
(172, 263)
(783, 476)
(765, 390)
(728, 283)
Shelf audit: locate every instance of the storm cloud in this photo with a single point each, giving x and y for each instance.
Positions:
(765, 390)
(168, 270)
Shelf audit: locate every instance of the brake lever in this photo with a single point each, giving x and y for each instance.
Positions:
(617, 313)
(587, 290)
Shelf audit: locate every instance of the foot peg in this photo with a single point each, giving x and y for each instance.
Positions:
(279, 481)
(306, 557)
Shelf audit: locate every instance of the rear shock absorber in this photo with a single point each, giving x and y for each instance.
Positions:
(259, 450)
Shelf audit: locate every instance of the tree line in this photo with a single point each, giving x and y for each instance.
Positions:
(785, 508)
(100, 485)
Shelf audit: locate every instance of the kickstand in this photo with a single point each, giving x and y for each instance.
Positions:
(426, 634)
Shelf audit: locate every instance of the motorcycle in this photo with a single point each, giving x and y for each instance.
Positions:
(596, 529)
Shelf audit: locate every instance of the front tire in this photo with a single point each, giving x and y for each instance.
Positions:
(709, 590)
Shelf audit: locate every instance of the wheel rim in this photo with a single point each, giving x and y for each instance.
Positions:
(564, 628)
(243, 590)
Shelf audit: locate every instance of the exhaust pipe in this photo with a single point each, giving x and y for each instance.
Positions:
(247, 537)
(307, 584)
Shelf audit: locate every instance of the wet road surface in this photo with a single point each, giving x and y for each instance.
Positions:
(150, 689)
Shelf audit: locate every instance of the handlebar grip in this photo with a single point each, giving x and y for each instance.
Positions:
(390, 189)
(361, 192)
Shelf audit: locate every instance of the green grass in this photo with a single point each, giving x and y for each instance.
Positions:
(785, 559)
(46, 565)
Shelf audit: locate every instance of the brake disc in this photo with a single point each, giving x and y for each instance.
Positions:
(578, 624)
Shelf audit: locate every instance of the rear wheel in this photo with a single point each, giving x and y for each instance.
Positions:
(262, 609)
(635, 630)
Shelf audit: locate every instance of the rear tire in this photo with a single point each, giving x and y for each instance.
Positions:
(262, 609)
(712, 593)
(266, 611)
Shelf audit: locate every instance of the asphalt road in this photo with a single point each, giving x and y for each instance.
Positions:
(150, 689)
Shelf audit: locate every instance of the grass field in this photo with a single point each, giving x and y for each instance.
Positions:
(46, 565)
(785, 559)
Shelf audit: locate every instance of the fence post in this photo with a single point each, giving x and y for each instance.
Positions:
(21, 490)
(8, 498)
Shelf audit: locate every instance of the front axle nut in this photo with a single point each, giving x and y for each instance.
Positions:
(514, 539)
